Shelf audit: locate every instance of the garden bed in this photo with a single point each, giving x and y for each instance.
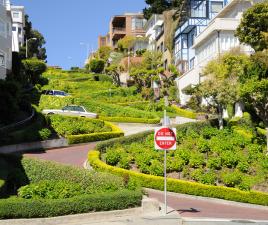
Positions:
(47, 189)
(208, 162)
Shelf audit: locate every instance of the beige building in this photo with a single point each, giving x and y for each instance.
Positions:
(129, 24)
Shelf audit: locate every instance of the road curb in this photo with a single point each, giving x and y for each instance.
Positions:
(212, 200)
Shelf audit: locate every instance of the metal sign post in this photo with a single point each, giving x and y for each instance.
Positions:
(165, 139)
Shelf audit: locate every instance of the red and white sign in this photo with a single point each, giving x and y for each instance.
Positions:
(165, 138)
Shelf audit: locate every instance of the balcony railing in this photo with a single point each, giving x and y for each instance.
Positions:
(119, 29)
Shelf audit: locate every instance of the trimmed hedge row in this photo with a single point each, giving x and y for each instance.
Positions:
(123, 140)
(184, 113)
(261, 131)
(21, 208)
(131, 120)
(84, 138)
(180, 186)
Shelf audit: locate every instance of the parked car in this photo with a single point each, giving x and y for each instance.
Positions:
(55, 93)
(71, 110)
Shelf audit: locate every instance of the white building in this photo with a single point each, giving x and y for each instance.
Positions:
(154, 29)
(217, 38)
(5, 39)
(18, 24)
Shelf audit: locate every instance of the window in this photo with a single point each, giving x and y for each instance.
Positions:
(216, 7)
(14, 28)
(16, 15)
(198, 8)
(2, 59)
(19, 30)
(138, 23)
(192, 63)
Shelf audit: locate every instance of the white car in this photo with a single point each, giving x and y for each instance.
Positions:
(71, 110)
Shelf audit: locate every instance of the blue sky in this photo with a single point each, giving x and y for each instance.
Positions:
(65, 24)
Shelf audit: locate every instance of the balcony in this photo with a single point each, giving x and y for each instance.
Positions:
(218, 24)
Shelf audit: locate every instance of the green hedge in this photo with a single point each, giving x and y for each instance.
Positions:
(84, 138)
(261, 131)
(20, 208)
(123, 140)
(131, 120)
(184, 113)
(180, 186)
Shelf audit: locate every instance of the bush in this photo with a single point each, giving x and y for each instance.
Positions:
(67, 125)
(21, 208)
(232, 179)
(209, 178)
(112, 157)
(180, 186)
(96, 65)
(214, 163)
(44, 134)
(84, 138)
(50, 190)
(131, 120)
(184, 113)
(34, 68)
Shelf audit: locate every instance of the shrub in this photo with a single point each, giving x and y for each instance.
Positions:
(197, 174)
(44, 134)
(229, 159)
(214, 163)
(180, 186)
(131, 120)
(50, 190)
(243, 166)
(112, 157)
(208, 178)
(96, 65)
(232, 179)
(196, 160)
(84, 138)
(156, 168)
(34, 68)
(184, 113)
(21, 208)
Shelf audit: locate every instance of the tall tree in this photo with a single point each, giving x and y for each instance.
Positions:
(35, 45)
(253, 29)
(221, 87)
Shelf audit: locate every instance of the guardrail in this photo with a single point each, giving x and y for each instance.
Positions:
(16, 125)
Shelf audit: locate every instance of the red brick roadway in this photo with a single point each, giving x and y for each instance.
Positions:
(185, 206)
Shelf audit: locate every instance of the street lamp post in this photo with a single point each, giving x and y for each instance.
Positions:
(27, 45)
(87, 48)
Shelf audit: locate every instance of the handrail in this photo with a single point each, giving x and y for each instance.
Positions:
(18, 123)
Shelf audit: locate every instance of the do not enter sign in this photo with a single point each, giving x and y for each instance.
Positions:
(165, 138)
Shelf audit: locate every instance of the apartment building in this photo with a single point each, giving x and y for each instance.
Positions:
(215, 39)
(5, 39)
(155, 32)
(18, 24)
(129, 24)
(199, 13)
(103, 40)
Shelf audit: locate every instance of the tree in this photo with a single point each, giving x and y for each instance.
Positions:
(96, 65)
(33, 69)
(253, 29)
(159, 6)
(104, 53)
(35, 47)
(126, 43)
(152, 59)
(221, 87)
(113, 71)
(254, 86)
